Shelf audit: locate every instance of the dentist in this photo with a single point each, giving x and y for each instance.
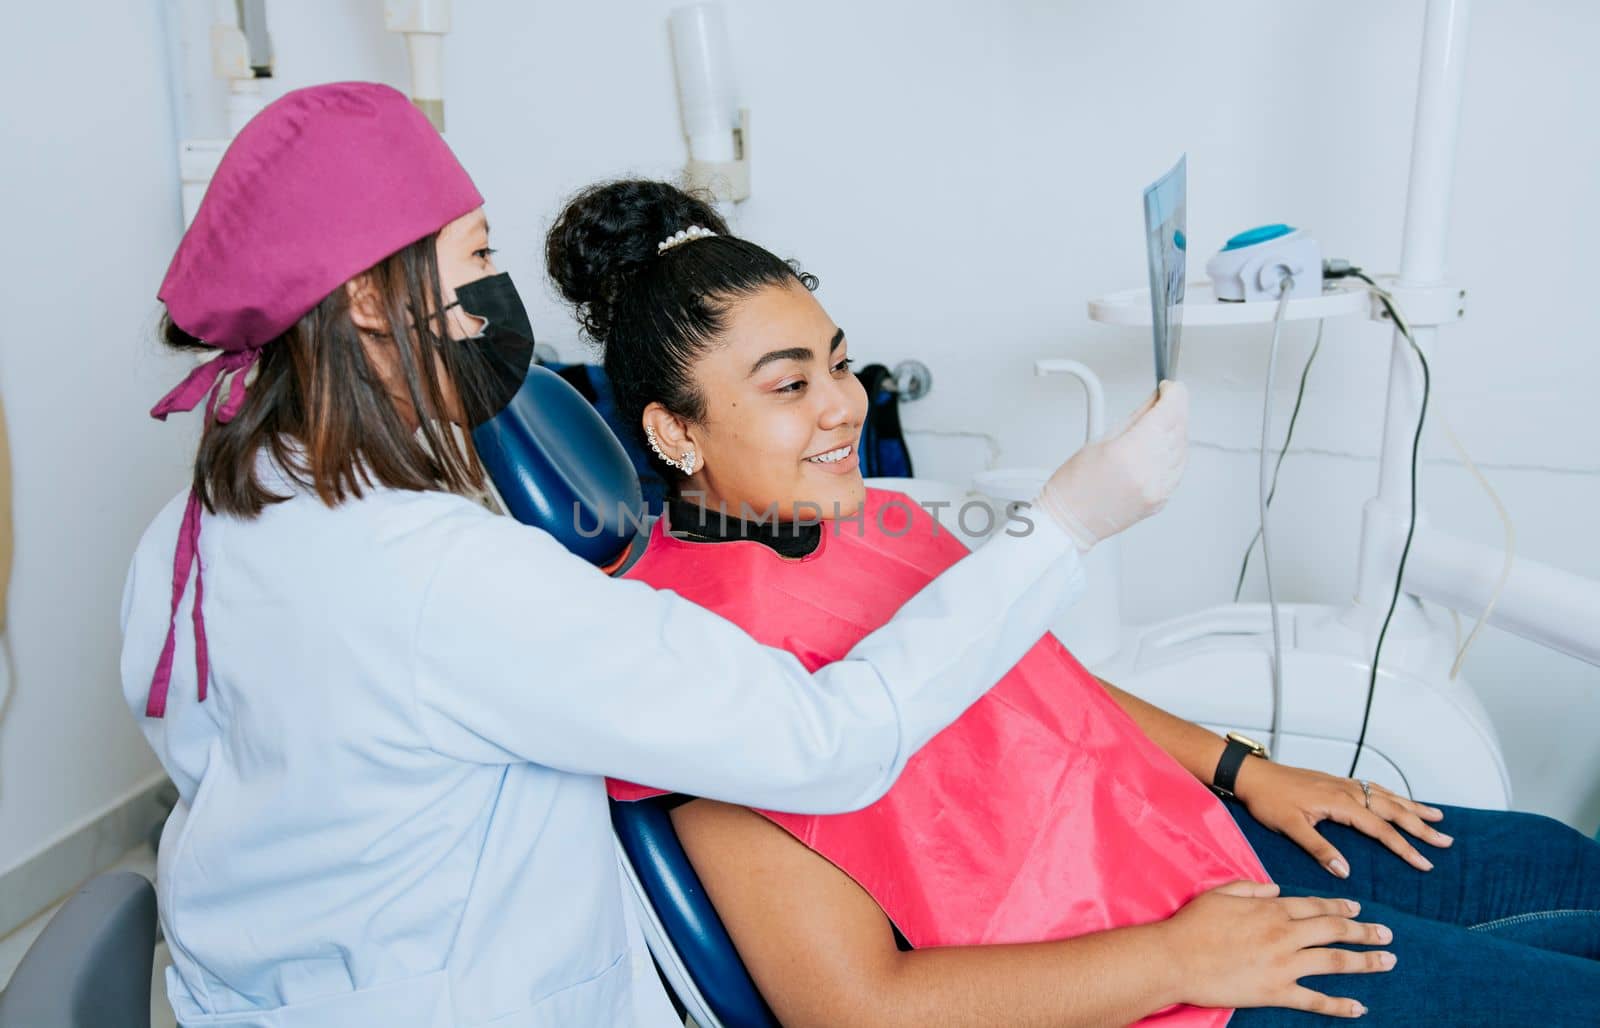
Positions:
(387, 710)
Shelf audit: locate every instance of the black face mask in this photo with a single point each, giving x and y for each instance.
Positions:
(491, 366)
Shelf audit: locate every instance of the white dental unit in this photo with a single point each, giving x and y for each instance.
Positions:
(1428, 733)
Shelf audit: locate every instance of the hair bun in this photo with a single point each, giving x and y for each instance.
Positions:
(609, 231)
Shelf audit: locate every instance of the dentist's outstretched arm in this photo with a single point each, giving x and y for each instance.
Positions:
(651, 688)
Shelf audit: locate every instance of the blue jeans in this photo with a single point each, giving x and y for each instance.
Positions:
(1505, 930)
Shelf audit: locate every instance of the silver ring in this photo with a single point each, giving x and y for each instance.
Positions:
(1366, 792)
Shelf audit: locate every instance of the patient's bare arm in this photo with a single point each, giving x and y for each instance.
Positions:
(822, 952)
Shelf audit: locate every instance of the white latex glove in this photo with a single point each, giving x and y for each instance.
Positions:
(1126, 476)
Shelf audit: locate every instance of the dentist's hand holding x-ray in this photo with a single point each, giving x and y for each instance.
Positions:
(1125, 476)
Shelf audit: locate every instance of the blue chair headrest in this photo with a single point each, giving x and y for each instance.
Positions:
(558, 467)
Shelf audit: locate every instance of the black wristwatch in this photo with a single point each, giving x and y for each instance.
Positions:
(1239, 747)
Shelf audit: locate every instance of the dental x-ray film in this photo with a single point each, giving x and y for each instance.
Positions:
(1164, 209)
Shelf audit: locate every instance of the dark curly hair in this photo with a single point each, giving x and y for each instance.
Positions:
(654, 313)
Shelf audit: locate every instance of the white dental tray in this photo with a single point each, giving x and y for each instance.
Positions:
(1201, 307)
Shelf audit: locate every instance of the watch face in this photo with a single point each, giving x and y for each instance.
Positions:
(1244, 740)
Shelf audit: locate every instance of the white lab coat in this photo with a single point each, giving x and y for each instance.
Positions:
(391, 806)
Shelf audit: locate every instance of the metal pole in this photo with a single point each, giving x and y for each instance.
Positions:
(1433, 154)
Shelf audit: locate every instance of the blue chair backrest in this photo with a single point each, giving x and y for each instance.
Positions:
(591, 382)
(559, 467)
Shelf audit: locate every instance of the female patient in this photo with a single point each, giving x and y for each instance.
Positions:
(1055, 856)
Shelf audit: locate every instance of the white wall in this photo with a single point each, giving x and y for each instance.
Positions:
(88, 169)
(962, 176)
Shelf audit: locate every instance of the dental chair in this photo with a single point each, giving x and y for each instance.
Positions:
(555, 465)
(90, 967)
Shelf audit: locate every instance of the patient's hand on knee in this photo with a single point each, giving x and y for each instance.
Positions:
(1241, 945)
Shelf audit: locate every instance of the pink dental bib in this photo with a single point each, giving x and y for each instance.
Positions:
(1042, 813)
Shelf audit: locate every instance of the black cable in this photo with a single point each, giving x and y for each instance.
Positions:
(1405, 552)
(1288, 436)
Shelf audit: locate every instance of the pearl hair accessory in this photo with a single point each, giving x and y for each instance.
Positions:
(682, 236)
(685, 465)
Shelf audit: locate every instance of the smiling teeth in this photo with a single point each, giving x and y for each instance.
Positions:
(831, 457)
